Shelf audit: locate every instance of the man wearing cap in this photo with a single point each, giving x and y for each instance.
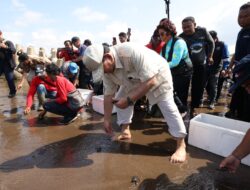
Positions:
(242, 71)
(138, 71)
(7, 63)
(85, 77)
(70, 70)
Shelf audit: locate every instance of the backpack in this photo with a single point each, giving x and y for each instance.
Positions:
(182, 68)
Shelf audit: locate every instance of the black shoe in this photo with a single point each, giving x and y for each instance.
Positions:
(230, 114)
(11, 95)
(68, 120)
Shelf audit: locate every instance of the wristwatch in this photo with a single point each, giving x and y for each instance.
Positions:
(129, 101)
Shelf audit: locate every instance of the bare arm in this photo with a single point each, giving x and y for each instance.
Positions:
(244, 147)
(232, 162)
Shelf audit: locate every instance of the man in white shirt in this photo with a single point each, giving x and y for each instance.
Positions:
(137, 71)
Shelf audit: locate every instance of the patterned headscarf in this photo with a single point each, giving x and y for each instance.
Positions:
(167, 25)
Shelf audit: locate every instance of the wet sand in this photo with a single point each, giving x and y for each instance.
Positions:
(45, 155)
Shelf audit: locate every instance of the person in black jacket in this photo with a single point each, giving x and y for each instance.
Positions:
(7, 63)
(240, 102)
(213, 79)
(201, 47)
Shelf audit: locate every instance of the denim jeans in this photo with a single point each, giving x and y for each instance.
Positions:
(9, 75)
(41, 90)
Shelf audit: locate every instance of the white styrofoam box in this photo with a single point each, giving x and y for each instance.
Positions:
(86, 94)
(98, 104)
(216, 134)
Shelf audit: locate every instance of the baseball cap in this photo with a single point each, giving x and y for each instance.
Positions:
(92, 59)
(73, 68)
(242, 72)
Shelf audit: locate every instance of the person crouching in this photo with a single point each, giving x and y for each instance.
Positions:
(59, 105)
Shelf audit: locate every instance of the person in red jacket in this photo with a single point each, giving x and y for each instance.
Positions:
(58, 105)
(67, 53)
(156, 43)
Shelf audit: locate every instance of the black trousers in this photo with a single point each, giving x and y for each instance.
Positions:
(211, 85)
(85, 77)
(220, 86)
(181, 85)
(198, 84)
(9, 75)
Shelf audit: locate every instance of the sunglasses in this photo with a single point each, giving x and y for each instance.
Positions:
(162, 33)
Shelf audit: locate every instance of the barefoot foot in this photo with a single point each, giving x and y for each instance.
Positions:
(179, 156)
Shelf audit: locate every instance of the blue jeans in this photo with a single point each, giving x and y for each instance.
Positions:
(59, 109)
(41, 90)
(9, 75)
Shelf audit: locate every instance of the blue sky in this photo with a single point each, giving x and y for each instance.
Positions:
(47, 23)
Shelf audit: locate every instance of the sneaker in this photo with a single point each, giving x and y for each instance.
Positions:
(40, 108)
(68, 120)
(211, 106)
(11, 95)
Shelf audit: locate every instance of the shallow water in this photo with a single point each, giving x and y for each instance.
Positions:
(42, 155)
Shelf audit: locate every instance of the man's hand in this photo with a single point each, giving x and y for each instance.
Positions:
(27, 110)
(231, 163)
(122, 103)
(2, 45)
(229, 71)
(19, 86)
(210, 61)
(108, 128)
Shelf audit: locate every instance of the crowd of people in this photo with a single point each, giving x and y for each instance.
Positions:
(164, 71)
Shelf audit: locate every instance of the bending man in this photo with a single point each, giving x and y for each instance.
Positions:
(138, 71)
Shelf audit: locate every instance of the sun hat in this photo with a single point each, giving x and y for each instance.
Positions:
(92, 59)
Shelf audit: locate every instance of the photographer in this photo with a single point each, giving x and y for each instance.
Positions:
(7, 63)
(67, 53)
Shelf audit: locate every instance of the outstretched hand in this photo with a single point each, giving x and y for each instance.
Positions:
(231, 163)
(27, 110)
